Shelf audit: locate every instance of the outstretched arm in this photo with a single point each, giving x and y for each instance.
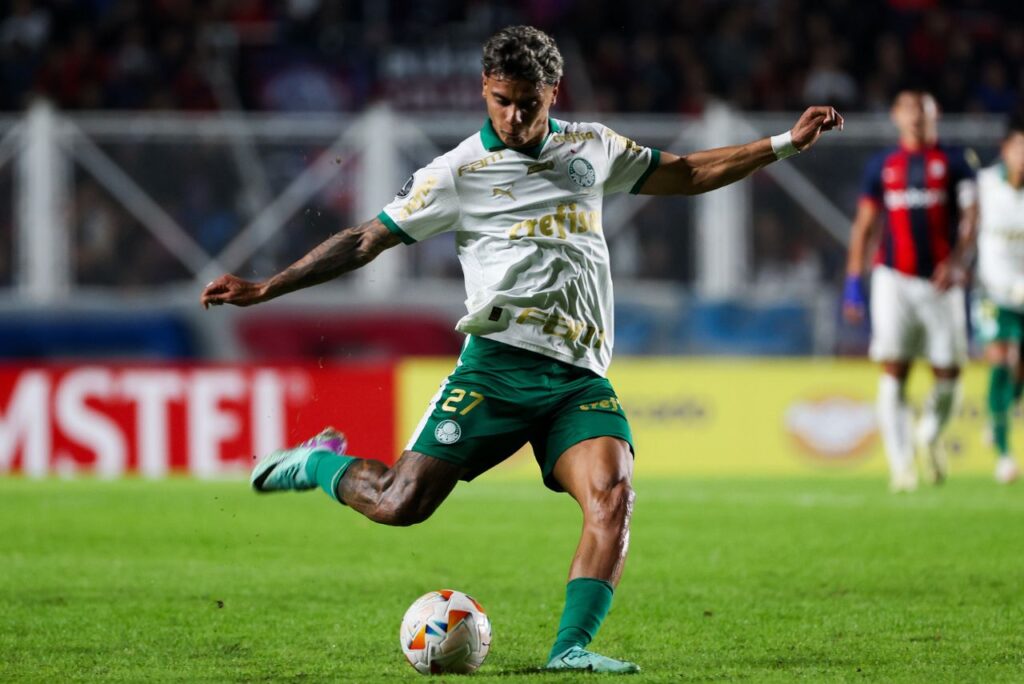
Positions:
(700, 172)
(342, 252)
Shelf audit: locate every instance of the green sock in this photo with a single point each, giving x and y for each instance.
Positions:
(587, 601)
(1000, 397)
(326, 468)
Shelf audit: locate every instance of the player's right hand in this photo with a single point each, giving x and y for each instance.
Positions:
(812, 123)
(229, 289)
(853, 299)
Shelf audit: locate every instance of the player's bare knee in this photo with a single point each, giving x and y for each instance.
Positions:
(612, 505)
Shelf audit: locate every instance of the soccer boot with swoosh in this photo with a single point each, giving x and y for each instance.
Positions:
(580, 659)
(285, 469)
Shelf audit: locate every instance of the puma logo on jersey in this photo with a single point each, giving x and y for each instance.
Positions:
(502, 192)
(537, 168)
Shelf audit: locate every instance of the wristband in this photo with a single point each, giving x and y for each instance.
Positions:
(782, 145)
(853, 291)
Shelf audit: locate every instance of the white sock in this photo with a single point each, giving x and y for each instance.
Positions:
(894, 421)
(938, 409)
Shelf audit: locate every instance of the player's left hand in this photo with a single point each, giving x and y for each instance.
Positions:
(812, 123)
(948, 274)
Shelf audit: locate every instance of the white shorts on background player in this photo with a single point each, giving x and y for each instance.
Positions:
(910, 317)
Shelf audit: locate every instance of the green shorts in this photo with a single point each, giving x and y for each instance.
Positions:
(500, 397)
(997, 324)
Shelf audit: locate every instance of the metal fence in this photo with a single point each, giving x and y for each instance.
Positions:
(100, 207)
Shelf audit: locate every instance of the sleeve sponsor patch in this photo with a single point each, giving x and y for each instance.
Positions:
(404, 190)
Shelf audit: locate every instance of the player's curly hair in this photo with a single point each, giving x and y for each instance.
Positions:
(523, 52)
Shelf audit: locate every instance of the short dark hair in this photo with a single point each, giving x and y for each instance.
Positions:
(523, 52)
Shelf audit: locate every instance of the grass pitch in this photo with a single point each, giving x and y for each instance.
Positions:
(770, 580)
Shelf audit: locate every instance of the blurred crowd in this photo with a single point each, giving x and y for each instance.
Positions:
(655, 55)
(342, 55)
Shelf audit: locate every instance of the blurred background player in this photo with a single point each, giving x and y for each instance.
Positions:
(1001, 275)
(927, 195)
(539, 325)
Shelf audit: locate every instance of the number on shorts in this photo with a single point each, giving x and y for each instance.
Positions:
(451, 404)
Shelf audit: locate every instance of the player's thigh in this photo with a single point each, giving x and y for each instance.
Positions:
(591, 410)
(944, 319)
(470, 425)
(895, 329)
(594, 467)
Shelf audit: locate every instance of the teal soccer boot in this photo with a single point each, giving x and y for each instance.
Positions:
(577, 658)
(286, 469)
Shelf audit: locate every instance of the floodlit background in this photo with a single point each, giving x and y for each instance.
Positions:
(147, 147)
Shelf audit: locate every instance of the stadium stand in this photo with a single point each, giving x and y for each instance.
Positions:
(660, 57)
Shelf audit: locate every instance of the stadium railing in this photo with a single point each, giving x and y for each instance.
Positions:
(107, 210)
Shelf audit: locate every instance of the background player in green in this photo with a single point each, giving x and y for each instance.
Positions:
(1001, 275)
(524, 197)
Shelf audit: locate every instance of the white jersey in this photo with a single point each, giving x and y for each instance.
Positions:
(1001, 238)
(529, 236)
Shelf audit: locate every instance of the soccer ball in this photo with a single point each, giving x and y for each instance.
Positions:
(445, 631)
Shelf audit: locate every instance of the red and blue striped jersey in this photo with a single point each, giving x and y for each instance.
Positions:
(918, 192)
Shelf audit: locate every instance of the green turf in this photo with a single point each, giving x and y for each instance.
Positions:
(819, 580)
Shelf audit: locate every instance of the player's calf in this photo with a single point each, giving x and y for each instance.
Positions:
(402, 495)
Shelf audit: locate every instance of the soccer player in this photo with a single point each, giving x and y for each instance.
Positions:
(926, 193)
(1001, 275)
(524, 197)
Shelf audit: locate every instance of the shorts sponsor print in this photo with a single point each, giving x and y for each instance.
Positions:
(500, 397)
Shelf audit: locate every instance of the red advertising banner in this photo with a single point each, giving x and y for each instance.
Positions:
(206, 420)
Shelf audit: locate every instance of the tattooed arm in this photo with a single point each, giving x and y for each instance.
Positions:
(340, 253)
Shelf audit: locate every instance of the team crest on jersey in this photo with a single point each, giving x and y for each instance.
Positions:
(581, 172)
(936, 168)
(447, 432)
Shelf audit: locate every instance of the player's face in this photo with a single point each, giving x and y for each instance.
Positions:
(518, 109)
(1013, 154)
(916, 117)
